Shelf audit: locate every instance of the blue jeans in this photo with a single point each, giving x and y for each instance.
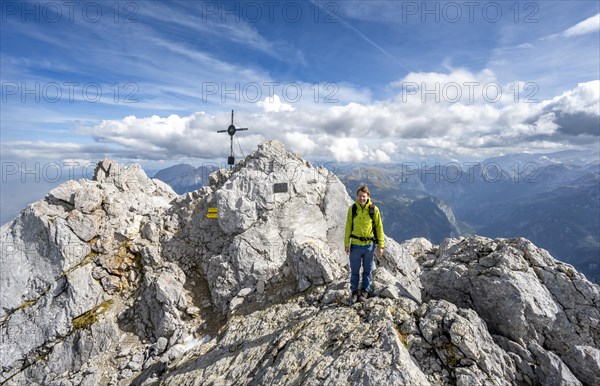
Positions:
(364, 255)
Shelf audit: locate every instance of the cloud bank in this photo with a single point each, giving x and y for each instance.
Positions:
(455, 115)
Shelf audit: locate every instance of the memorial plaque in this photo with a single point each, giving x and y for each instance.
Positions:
(280, 187)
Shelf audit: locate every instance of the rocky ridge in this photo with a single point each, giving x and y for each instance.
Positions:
(120, 281)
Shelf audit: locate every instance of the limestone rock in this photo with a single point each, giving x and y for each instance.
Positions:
(119, 281)
(318, 345)
(289, 240)
(526, 296)
(398, 272)
(52, 295)
(464, 346)
(84, 226)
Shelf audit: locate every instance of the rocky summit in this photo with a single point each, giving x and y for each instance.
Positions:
(119, 281)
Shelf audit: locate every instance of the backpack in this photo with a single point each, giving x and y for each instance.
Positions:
(372, 215)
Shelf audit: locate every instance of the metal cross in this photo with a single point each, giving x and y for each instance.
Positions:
(231, 130)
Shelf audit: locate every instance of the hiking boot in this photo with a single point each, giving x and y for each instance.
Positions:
(363, 295)
(354, 297)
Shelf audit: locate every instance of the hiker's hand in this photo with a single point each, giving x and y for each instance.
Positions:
(379, 251)
(347, 250)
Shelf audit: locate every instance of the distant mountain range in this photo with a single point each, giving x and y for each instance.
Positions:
(407, 209)
(551, 199)
(185, 178)
(565, 221)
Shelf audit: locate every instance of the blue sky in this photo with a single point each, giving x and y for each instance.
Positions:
(369, 81)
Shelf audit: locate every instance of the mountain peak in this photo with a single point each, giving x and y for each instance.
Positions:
(130, 176)
(274, 147)
(119, 281)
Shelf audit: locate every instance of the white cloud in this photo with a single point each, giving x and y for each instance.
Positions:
(545, 124)
(351, 150)
(46, 150)
(374, 131)
(170, 137)
(274, 104)
(209, 23)
(389, 147)
(585, 98)
(379, 155)
(300, 142)
(587, 26)
(364, 131)
(525, 46)
(346, 150)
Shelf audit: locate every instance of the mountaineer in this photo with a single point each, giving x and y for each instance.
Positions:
(364, 230)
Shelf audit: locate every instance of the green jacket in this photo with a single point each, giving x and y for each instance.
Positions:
(363, 225)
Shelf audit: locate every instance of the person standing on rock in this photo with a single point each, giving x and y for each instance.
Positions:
(364, 231)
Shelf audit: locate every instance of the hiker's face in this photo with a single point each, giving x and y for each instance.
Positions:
(363, 198)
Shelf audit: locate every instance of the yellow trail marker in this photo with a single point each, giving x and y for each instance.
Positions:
(213, 213)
